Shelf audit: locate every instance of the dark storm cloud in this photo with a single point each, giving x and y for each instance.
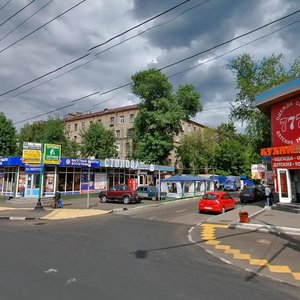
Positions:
(94, 22)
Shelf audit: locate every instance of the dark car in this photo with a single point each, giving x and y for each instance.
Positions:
(149, 192)
(120, 193)
(252, 194)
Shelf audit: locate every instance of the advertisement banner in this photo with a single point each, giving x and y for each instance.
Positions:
(285, 118)
(52, 154)
(31, 156)
(258, 171)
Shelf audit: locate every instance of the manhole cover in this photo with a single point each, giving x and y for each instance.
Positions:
(264, 242)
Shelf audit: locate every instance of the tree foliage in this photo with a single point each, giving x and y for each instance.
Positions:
(51, 131)
(160, 114)
(195, 151)
(7, 136)
(98, 141)
(253, 77)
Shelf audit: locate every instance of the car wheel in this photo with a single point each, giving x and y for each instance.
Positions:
(126, 200)
(154, 198)
(103, 199)
(223, 210)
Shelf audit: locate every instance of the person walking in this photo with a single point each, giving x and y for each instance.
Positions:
(267, 194)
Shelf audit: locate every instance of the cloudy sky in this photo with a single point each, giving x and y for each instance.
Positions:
(40, 37)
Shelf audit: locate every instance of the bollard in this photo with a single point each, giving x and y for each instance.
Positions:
(244, 217)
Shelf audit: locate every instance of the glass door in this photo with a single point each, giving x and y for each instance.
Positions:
(33, 185)
(284, 186)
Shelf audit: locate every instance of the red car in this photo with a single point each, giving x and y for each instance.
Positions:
(216, 202)
(120, 193)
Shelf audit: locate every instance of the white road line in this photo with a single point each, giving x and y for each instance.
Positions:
(225, 260)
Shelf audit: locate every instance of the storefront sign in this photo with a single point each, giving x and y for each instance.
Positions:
(121, 163)
(280, 150)
(78, 162)
(286, 162)
(33, 169)
(286, 122)
(52, 154)
(32, 146)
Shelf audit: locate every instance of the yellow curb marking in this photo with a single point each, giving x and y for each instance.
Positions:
(208, 234)
(73, 213)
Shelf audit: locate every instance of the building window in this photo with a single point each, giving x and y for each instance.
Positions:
(118, 133)
(130, 133)
(75, 127)
(131, 118)
(99, 120)
(83, 125)
(75, 138)
(112, 121)
(69, 127)
(121, 120)
(118, 147)
(91, 122)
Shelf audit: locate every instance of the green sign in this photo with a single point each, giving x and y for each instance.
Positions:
(52, 154)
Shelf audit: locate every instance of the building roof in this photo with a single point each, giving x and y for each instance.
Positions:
(79, 115)
(264, 100)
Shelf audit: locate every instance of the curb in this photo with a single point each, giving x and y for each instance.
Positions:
(266, 228)
(17, 218)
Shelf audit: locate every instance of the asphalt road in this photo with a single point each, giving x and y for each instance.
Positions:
(138, 254)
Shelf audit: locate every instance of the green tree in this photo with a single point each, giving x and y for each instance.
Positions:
(253, 77)
(229, 158)
(8, 136)
(51, 131)
(160, 114)
(195, 151)
(98, 141)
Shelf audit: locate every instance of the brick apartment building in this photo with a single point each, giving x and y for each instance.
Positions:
(121, 121)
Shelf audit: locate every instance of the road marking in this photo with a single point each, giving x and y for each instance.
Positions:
(182, 210)
(208, 235)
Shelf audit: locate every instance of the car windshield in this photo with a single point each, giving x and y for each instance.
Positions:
(210, 196)
(248, 190)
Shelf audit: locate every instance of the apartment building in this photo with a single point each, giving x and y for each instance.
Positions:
(121, 121)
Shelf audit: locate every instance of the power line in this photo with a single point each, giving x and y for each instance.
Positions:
(139, 25)
(77, 59)
(4, 4)
(27, 35)
(91, 60)
(129, 83)
(25, 21)
(16, 13)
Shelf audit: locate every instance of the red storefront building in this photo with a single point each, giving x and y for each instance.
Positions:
(282, 105)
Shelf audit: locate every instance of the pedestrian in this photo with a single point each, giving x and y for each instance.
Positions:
(267, 194)
(271, 197)
(22, 192)
(56, 199)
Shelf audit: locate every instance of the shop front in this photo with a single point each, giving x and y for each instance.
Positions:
(73, 176)
(282, 105)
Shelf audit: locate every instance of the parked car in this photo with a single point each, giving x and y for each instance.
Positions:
(216, 202)
(120, 193)
(252, 194)
(149, 192)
